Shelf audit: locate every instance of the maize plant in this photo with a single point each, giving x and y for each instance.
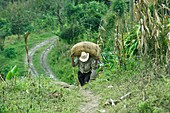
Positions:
(152, 29)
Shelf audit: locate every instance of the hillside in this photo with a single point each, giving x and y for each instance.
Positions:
(36, 37)
(148, 92)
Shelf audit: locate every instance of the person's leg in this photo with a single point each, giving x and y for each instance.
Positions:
(87, 77)
(81, 78)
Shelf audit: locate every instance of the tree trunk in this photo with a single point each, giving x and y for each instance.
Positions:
(59, 15)
(2, 40)
(131, 6)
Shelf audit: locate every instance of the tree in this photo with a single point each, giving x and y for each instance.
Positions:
(59, 11)
(19, 17)
(4, 31)
(2, 39)
(88, 15)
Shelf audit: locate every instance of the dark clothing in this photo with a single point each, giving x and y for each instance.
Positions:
(83, 77)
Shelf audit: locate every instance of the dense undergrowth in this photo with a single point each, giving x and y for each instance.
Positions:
(37, 95)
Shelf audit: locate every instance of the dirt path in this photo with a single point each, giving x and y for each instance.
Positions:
(90, 103)
(44, 62)
(32, 52)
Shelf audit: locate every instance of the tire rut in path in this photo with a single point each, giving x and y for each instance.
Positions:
(32, 52)
(91, 103)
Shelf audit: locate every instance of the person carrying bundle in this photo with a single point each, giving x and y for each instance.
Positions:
(87, 59)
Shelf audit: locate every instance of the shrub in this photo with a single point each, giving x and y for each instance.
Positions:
(119, 7)
(88, 14)
(71, 32)
(10, 52)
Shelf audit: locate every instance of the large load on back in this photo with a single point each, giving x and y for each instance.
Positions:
(89, 47)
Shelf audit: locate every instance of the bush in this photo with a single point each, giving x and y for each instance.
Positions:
(119, 7)
(4, 27)
(92, 23)
(109, 21)
(71, 32)
(10, 52)
(88, 14)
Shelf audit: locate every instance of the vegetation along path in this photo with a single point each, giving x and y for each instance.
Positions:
(91, 101)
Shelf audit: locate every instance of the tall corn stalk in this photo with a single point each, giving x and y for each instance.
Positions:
(168, 55)
(119, 47)
(131, 6)
(150, 31)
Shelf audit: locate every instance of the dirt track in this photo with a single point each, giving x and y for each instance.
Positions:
(32, 52)
(91, 101)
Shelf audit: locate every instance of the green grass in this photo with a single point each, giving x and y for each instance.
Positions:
(19, 48)
(33, 94)
(149, 94)
(37, 95)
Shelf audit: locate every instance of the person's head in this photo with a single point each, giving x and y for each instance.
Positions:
(84, 56)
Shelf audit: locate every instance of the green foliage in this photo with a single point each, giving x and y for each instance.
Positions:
(110, 20)
(3, 4)
(44, 22)
(71, 33)
(119, 7)
(4, 70)
(30, 15)
(130, 44)
(89, 14)
(14, 51)
(4, 31)
(19, 18)
(144, 107)
(86, 1)
(10, 52)
(4, 27)
(12, 73)
(149, 92)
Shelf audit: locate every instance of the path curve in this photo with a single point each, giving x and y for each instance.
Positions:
(43, 61)
(91, 101)
(32, 52)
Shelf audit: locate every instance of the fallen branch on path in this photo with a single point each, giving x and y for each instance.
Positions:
(115, 102)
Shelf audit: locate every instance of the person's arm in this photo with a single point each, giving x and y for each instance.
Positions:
(74, 61)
